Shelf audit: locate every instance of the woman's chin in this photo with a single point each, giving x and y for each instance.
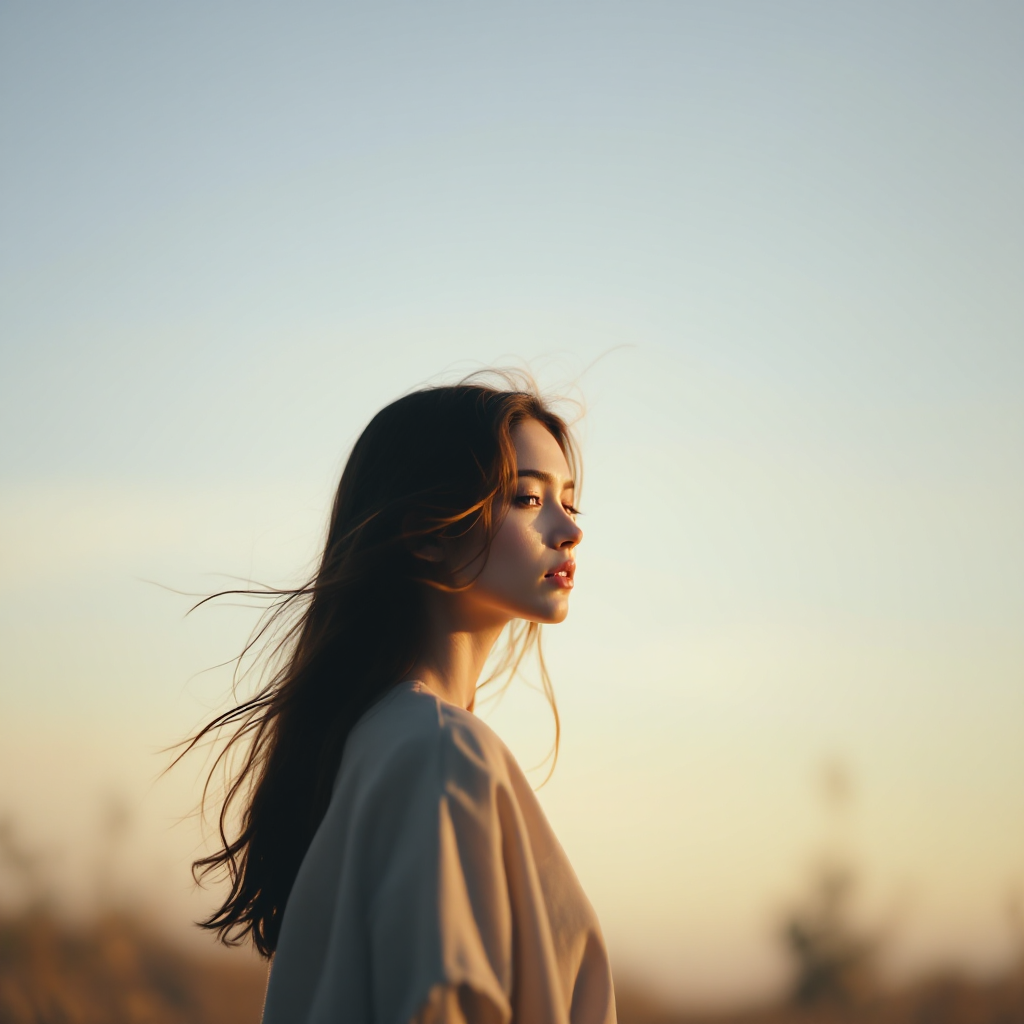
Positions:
(553, 611)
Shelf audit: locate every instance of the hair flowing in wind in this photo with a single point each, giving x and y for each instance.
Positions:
(438, 463)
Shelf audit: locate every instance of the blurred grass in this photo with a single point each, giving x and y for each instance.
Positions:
(116, 969)
(942, 999)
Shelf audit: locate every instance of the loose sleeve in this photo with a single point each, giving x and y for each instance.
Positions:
(422, 897)
(457, 923)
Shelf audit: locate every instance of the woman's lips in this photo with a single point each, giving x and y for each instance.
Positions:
(561, 575)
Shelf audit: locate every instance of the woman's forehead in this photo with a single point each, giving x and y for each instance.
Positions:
(536, 448)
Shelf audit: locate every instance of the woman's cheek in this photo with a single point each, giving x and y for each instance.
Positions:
(510, 543)
(526, 553)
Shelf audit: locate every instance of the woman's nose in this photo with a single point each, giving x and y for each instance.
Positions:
(570, 535)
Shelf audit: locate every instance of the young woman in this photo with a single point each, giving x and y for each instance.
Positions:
(390, 854)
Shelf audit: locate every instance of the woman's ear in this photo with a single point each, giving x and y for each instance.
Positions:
(427, 549)
(423, 546)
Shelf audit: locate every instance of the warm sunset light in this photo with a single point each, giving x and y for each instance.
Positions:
(772, 251)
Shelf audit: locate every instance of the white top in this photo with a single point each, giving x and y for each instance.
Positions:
(434, 889)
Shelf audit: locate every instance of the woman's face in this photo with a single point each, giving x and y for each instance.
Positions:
(530, 567)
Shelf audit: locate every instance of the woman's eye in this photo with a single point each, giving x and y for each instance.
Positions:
(529, 500)
(574, 512)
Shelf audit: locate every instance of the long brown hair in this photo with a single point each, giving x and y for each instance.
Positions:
(437, 462)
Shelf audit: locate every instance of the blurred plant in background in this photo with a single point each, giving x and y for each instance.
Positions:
(834, 955)
(21, 868)
(113, 966)
(833, 960)
(833, 963)
(116, 970)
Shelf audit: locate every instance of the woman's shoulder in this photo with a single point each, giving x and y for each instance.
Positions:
(411, 728)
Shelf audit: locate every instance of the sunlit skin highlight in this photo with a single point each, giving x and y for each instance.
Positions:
(528, 573)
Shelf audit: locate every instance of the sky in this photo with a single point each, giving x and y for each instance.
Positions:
(776, 251)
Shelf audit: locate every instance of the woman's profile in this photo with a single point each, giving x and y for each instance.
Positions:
(387, 851)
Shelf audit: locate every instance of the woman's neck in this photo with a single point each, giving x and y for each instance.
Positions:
(454, 653)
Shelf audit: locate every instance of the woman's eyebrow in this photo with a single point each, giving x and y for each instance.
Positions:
(547, 478)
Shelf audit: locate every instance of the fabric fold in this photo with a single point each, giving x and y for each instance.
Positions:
(435, 890)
